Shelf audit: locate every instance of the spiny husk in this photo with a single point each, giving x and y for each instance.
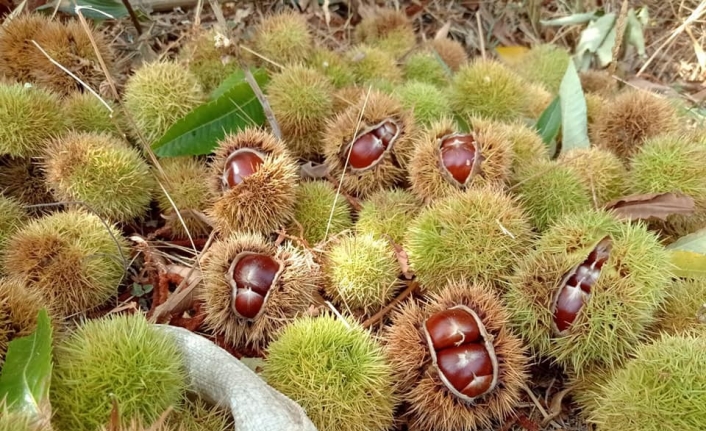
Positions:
(19, 308)
(427, 102)
(387, 29)
(284, 38)
(599, 82)
(473, 235)
(16, 48)
(348, 387)
(684, 309)
(539, 99)
(362, 273)
(426, 67)
(157, 95)
(426, 173)
(544, 64)
(489, 89)
(672, 163)
(427, 403)
(387, 213)
(548, 190)
(662, 388)
(302, 100)
(101, 171)
(265, 200)
(629, 119)
(347, 96)
(527, 146)
(73, 48)
(341, 130)
(288, 298)
(71, 257)
(320, 212)
(208, 59)
(23, 180)
(188, 192)
(29, 117)
(12, 216)
(450, 51)
(117, 358)
(601, 172)
(86, 113)
(372, 65)
(623, 300)
(333, 65)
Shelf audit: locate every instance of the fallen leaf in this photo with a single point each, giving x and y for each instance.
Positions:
(556, 405)
(688, 255)
(651, 206)
(311, 170)
(403, 259)
(511, 54)
(443, 32)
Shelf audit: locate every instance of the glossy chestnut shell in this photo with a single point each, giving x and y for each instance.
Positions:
(576, 286)
(240, 164)
(460, 158)
(368, 148)
(252, 277)
(462, 351)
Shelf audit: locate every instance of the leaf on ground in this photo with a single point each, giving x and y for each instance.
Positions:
(200, 130)
(604, 53)
(402, 259)
(574, 116)
(91, 9)
(635, 35)
(231, 81)
(311, 170)
(511, 54)
(549, 123)
(651, 206)
(688, 255)
(595, 33)
(26, 375)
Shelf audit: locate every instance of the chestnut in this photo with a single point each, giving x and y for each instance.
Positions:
(368, 148)
(252, 276)
(576, 285)
(462, 351)
(240, 164)
(460, 158)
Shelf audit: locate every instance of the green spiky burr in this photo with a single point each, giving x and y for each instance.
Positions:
(527, 146)
(544, 64)
(72, 249)
(371, 65)
(29, 118)
(602, 173)
(471, 235)
(332, 64)
(387, 29)
(12, 216)
(586, 295)
(157, 95)
(101, 171)
(427, 102)
(661, 388)
(117, 358)
(489, 89)
(320, 210)
(86, 113)
(387, 213)
(683, 310)
(426, 67)
(353, 392)
(548, 190)
(284, 38)
(362, 273)
(211, 57)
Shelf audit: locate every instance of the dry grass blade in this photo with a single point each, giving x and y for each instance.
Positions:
(649, 206)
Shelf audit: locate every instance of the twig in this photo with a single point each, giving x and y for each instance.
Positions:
(536, 402)
(133, 16)
(480, 36)
(263, 101)
(411, 287)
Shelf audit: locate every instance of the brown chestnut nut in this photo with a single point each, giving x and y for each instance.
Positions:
(575, 290)
(368, 148)
(462, 351)
(251, 277)
(460, 158)
(241, 164)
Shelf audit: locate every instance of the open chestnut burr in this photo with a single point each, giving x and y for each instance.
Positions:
(456, 363)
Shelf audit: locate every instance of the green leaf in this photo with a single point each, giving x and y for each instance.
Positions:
(634, 33)
(26, 375)
(462, 124)
(695, 242)
(604, 53)
(577, 18)
(200, 130)
(231, 81)
(91, 9)
(688, 255)
(549, 123)
(574, 117)
(594, 35)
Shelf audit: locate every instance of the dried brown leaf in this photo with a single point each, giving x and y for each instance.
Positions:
(311, 170)
(555, 407)
(402, 259)
(651, 206)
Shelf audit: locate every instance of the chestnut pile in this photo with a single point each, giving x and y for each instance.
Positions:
(400, 250)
